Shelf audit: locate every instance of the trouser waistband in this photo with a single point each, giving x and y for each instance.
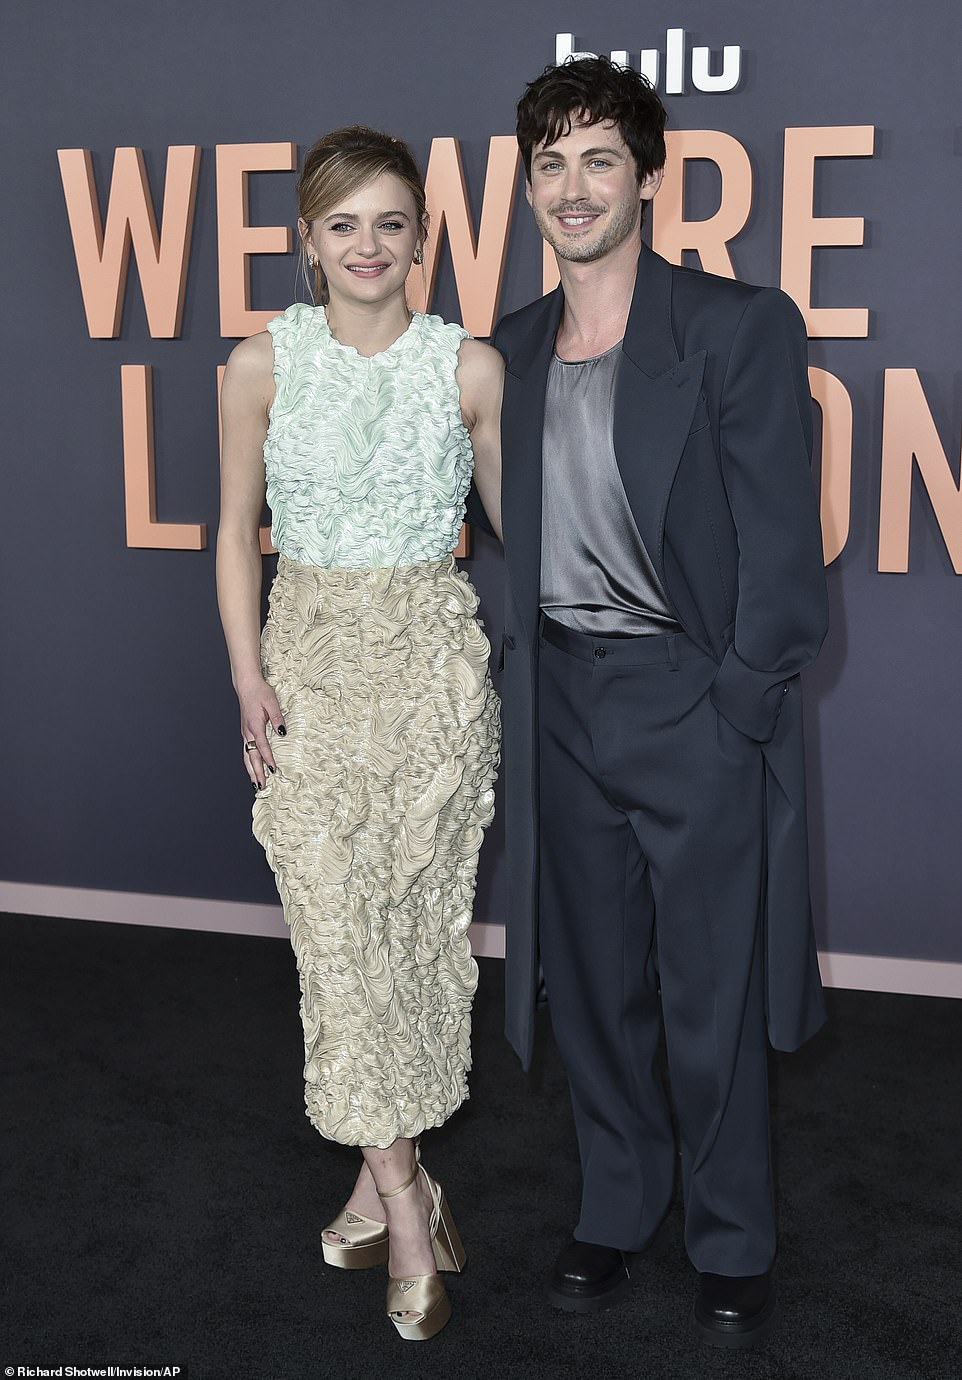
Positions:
(666, 648)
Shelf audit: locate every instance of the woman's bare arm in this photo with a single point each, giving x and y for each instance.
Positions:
(480, 378)
(246, 396)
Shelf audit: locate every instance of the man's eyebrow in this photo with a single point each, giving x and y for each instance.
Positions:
(588, 153)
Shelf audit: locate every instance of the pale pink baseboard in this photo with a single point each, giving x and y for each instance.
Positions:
(862, 972)
(178, 912)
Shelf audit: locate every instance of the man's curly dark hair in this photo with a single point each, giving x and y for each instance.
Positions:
(594, 90)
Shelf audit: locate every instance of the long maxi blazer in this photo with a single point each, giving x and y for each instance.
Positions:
(712, 433)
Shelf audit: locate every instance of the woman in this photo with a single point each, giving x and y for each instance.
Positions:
(369, 722)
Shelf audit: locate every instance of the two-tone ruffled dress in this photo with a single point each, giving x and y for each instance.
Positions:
(384, 784)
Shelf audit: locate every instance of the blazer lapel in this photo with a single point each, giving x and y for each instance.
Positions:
(655, 401)
(522, 428)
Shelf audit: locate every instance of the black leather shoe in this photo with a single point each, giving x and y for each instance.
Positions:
(734, 1310)
(587, 1278)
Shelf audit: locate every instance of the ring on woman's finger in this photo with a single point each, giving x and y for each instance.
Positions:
(251, 745)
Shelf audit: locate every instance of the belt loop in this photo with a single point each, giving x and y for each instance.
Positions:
(672, 652)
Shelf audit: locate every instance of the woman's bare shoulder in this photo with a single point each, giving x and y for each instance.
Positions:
(480, 358)
(253, 359)
(480, 372)
(249, 377)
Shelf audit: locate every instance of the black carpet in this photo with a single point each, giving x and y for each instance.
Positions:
(163, 1190)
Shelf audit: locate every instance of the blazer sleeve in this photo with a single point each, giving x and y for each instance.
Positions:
(474, 508)
(765, 446)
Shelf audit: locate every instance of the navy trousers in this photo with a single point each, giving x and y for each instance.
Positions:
(652, 858)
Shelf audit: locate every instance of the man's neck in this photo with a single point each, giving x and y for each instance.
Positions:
(597, 301)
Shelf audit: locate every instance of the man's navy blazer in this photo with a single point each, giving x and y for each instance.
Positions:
(712, 434)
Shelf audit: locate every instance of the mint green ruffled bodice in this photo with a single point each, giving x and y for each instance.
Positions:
(368, 461)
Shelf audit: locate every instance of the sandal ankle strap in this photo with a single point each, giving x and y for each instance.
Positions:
(393, 1192)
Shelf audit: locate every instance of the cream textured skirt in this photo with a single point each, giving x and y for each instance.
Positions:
(372, 825)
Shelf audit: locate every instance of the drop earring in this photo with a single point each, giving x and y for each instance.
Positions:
(418, 256)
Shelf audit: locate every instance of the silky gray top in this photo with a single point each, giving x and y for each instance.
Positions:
(596, 575)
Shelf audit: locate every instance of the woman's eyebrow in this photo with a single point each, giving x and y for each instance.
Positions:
(352, 215)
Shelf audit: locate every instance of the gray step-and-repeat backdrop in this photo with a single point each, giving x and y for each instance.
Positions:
(149, 155)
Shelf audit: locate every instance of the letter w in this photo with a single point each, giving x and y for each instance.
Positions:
(478, 264)
(103, 254)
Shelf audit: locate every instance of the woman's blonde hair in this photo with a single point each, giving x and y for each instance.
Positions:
(342, 162)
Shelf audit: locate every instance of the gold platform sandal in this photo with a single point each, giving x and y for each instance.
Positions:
(425, 1295)
(366, 1241)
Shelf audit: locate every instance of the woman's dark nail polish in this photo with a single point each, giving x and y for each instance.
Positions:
(270, 768)
(256, 787)
(282, 730)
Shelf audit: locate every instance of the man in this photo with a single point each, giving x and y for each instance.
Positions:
(665, 589)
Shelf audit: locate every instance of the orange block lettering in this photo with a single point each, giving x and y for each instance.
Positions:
(836, 494)
(671, 233)
(140, 490)
(237, 239)
(802, 231)
(909, 434)
(103, 250)
(478, 261)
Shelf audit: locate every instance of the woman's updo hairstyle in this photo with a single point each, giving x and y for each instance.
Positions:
(339, 164)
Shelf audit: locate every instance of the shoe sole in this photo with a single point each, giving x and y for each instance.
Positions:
(589, 1303)
(736, 1335)
(355, 1257)
(429, 1326)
